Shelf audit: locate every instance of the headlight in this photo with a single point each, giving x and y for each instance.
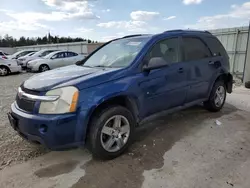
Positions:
(67, 102)
(28, 62)
(32, 62)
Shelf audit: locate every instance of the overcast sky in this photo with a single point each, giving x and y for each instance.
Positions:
(106, 19)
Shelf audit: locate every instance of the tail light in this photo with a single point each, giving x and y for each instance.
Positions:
(4, 57)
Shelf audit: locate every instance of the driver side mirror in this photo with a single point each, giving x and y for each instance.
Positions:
(154, 63)
(78, 63)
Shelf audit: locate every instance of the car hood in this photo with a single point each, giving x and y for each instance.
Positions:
(7, 61)
(50, 79)
(9, 56)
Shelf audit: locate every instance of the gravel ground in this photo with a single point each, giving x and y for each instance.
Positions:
(186, 149)
(13, 149)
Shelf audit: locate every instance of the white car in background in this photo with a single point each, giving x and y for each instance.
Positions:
(36, 55)
(54, 60)
(20, 54)
(21, 59)
(8, 66)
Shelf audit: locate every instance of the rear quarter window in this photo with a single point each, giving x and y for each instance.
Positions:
(71, 54)
(216, 47)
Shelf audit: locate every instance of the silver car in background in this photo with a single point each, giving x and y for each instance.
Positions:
(37, 55)
(21, 59)
(54, 60)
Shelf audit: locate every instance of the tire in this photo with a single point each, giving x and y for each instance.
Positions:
(217, 97)
(116, 142)
(43, 68)
(4, 71)
(247, 85)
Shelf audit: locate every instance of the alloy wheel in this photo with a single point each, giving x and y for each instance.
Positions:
(115, 133)
(3, 71)
(44, 68)
(219, 96)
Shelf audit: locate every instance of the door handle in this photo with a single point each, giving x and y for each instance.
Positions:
(180, 70)
(211, 62)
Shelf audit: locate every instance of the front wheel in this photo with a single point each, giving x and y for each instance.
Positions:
(217, 97)
(3, 71)
(43, 68)
(111, 132)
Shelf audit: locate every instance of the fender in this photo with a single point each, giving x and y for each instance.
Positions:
(132, 104)
(229, 80)
(229, 84)
(131, 101)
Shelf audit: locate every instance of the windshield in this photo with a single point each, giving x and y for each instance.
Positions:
(17, 53)
(22, 54)
(48, 56)
(45, 53)
(36, 53)
(30, 54)
(118, 53)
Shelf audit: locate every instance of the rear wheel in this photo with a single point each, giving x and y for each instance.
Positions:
(111, 132)
(4, 71)
(217, 97)
(43, 68)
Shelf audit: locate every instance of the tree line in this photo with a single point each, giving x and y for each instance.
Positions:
(9, 41)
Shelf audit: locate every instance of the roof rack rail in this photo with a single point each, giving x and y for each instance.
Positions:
(187, 30)
(136, 35)
(176, 30)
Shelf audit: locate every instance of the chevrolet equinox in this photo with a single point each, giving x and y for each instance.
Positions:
(101, 100)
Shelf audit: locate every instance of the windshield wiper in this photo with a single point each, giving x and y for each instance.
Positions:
(87, 66)
(102, 66)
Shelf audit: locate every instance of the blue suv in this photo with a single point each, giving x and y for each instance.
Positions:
(100, 101)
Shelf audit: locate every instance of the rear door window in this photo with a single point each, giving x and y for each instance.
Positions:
(194, 49)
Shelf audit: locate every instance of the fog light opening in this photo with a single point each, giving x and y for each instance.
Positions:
(43, 128)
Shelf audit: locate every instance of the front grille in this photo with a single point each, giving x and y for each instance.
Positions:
(24, 104)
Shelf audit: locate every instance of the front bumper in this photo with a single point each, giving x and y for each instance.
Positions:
(53, 131)
(15, 68)
(19, 62)
(32, 68)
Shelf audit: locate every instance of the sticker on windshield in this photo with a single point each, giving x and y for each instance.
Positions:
(134, 43)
